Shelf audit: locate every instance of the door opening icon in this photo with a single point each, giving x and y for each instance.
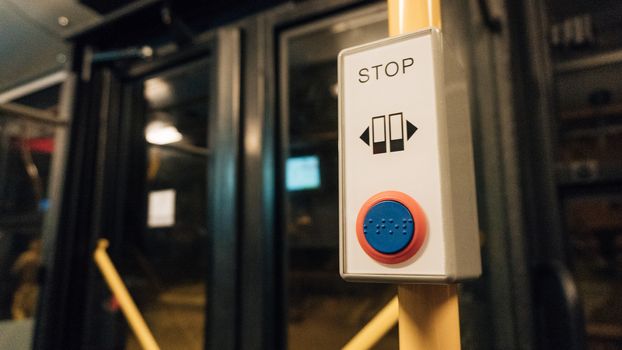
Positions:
(396, 125)
(379, 134)
(396, 132)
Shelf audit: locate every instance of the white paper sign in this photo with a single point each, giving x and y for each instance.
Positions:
(161, 208)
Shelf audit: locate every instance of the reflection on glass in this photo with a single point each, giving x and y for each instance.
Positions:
(168, 276)
(324, 312)
(594, 223)
(303, 173)
(589, 161)
(159, 133)
(26, 151)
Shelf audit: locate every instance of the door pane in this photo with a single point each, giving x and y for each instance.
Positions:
(324, 312)
(26, 152)
(589, 157)
(169, 272)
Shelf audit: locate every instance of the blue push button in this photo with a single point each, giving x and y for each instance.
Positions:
(389, 227)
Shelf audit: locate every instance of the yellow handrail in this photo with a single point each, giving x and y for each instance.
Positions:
(428, 314)
(407, 16)
(369, 335)
(120, 292)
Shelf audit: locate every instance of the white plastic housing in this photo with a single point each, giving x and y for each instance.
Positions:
(425, 83)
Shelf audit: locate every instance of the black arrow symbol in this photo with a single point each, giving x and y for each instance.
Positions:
(410, 130)
(365, 136)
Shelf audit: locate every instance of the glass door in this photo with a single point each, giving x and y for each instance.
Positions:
(584, 49)
(153, 180)
(324, 311)
(165, 262)
(31, 138)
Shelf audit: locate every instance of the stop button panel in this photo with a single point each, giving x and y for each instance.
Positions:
(407, 190)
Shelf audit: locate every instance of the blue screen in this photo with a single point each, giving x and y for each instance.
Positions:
(302, 173)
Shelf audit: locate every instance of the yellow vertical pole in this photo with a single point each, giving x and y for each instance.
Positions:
(428, 314)
(428, 317)
(407, 16)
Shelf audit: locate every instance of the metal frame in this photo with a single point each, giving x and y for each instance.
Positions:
(58, 168)
(507, 278)
(259, 289)
(33, 114)
(57, 187)
(60, 123)
(36, 85)
(204, 47)
(555, 306)
(112, 18)
(16, 110)
(595, 61)
(100, 153)
(63, 296)
(540, 172)
(223, 193)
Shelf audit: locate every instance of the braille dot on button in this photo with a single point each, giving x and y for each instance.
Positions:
(410, 220)
(388, 216)
(404, 226)
(364, 226)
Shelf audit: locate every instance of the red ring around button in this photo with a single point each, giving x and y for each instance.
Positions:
(421, 227)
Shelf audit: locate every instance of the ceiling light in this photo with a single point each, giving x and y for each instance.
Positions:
(159, 133)
(157, 90)
(63, 21)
